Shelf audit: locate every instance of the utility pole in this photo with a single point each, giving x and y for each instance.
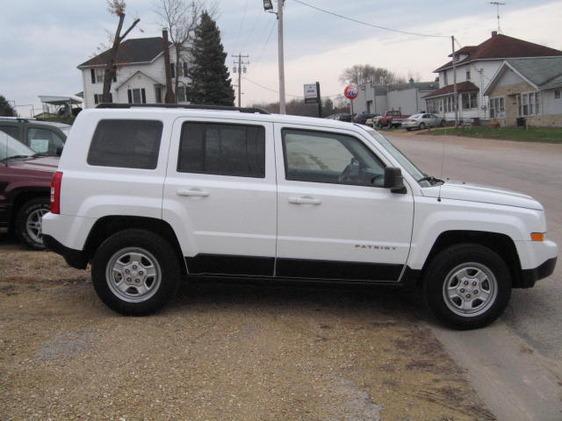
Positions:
(319, 99)
(240, 66)
(281, 58)
(455, 94)
(498, 4)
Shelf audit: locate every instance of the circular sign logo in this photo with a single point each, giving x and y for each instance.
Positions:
(351, 91)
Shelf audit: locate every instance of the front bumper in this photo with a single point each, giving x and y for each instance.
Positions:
(530, 276)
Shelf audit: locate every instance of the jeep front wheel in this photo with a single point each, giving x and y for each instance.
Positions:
(29, 222)
(135, 272)
(467, 286)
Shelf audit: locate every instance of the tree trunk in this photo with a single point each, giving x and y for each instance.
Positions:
(170, 97)
(178, 65)
(109, 72)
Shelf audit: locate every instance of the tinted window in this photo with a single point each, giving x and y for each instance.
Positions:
(12, 131)
(329, 158)
(126, 143)
(222, 149)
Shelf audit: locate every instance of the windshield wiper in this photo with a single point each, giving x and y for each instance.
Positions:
(431, 179)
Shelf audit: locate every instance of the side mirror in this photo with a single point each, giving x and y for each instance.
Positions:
(393, 180)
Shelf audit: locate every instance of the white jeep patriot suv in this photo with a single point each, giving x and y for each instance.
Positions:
(150, 195)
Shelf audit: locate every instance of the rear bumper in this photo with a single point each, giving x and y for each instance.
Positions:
(75, 258)
(530, 276)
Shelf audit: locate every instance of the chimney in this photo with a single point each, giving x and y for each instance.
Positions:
(494, 33)
(169, 98)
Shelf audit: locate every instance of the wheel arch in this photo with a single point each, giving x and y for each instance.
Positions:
(109, 225)
(502, 244)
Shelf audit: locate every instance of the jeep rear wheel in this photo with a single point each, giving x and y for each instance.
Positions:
(467, 286)
(29, 222)
(135, 272)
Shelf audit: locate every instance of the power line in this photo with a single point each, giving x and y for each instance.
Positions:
(372, 25)
(267, 88)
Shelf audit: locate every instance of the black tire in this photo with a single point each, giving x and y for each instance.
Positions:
(408, 129)
(422, 126)
(161, 250)
(448, 260)
(27, 213)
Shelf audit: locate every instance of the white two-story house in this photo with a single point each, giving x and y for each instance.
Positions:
(141, 76)
(476, 66)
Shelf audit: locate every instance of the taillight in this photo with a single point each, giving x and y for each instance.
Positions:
(56, 182)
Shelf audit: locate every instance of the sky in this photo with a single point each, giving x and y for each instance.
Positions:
(42, 42)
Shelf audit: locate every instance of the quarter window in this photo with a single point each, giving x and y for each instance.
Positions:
(222, 149)
(323, 157)
(126, 144)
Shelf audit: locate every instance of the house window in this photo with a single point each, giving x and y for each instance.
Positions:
(136, 96)
(468, 75)
(557, 94)
(99, 75)
(469, 101)
(173, 70)
(445, 81)
(98, 98)
(185, 68)
(158, 93)
(181, 94)
(528, 103)
(497, 107)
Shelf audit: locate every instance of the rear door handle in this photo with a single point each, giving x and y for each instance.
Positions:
(304, 200)
(192, 192)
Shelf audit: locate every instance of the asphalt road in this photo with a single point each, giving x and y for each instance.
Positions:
(515, 364)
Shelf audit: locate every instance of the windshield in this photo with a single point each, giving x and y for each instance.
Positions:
(11, 148)
(400, 157)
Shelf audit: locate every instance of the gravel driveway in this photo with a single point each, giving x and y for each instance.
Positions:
(220, 351)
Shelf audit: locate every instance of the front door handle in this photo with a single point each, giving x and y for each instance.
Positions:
(192, 192)
(304, 200)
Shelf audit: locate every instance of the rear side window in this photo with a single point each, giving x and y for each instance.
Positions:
(222, 149)
(126, 144)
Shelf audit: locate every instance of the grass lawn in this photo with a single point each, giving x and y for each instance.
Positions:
(532, 134)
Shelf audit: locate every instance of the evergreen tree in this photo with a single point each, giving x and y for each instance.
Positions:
(210, 80)
(5, 108)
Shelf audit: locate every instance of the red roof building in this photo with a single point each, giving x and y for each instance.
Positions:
(476, 66)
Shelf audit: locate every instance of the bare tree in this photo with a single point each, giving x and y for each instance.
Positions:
(115, 7)
(181, 18)
(363, 73)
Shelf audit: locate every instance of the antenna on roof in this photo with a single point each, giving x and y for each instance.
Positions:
(498, 4)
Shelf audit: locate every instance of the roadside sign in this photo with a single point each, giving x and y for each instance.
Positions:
(351, 91)
(311, 93)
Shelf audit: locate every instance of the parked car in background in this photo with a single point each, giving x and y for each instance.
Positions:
(25, 179)
(341, 117)
(42, 137)
(422, 121)
(390, 119)
(151, 195)
(362, 118)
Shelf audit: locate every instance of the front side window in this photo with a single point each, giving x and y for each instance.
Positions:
(44, 141)
(126, 144)
(323, 157)
(222, 149)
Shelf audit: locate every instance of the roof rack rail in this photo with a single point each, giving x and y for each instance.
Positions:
(251, 110)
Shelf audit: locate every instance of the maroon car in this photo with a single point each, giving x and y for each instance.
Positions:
(25, 180)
